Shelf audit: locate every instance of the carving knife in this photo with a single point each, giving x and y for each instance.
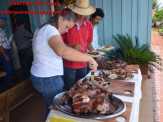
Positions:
(92, 80)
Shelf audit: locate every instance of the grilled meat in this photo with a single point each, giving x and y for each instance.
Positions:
(88, 100)
(109, 65)
(117, 74)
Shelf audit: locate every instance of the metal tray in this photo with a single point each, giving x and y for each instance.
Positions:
(116, 102)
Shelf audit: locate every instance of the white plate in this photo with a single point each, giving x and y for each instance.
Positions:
(106, 49)
(101, 53)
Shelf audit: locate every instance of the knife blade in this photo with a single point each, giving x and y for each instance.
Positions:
(92, 80)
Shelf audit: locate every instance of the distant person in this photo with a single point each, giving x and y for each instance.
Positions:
(22, 40)
(5, 53)
(95, 18)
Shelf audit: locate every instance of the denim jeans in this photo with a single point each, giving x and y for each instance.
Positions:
(48, 87)
(73, 75)
(7, 66)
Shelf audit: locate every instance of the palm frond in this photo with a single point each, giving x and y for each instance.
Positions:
(135, 54)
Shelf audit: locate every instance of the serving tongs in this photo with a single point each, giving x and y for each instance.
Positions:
(92, 80)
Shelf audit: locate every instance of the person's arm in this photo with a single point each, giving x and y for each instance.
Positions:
(60, 48)
(90, 39)
(3, 52)
(90, 47)
(77, 47)
(27, 34)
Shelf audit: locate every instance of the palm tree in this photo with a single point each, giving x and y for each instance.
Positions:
(155, 5)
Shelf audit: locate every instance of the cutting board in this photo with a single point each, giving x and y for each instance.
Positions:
(132, 68)
(125, 115)
(122, 88)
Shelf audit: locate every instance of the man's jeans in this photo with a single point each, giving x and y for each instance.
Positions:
(48, 87)
(7, 66)
(73, 75)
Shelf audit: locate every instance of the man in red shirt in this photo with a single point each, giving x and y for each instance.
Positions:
(78, 37)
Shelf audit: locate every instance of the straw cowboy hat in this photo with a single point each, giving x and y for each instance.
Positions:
(82, 7)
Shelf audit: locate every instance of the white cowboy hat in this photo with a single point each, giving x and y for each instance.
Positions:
(82, 7)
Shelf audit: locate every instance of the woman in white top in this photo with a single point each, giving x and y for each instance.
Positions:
(49, 49)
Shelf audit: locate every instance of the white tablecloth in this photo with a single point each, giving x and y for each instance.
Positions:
(135, 100)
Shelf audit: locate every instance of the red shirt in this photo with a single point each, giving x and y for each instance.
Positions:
(78, 37)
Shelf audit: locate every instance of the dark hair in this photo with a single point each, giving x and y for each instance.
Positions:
(69, 15)
(18, 23)
(99, 12)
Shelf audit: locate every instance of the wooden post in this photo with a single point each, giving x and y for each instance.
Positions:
(4, 107)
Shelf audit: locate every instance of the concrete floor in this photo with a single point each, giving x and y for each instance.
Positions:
(146, 103)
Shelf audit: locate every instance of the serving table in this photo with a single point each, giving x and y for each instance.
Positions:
(132, 103)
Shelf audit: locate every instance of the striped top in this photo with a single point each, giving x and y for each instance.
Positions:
(4, 42)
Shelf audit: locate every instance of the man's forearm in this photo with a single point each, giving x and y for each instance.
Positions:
(90, 47)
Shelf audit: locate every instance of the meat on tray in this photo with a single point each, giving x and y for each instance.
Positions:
(108, 64)
(88, 100)
(117, 74)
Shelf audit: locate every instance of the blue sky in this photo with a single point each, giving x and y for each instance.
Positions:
(161, 2)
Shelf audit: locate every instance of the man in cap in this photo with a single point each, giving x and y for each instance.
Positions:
(78, 37)
(95, 18)
(5, 53)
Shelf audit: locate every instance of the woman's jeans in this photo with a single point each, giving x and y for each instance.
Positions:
(7, 65)
(73, 75)
(48, 87)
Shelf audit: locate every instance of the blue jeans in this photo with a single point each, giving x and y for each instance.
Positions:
(73, 75)
(7, 66)
(48, 87)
